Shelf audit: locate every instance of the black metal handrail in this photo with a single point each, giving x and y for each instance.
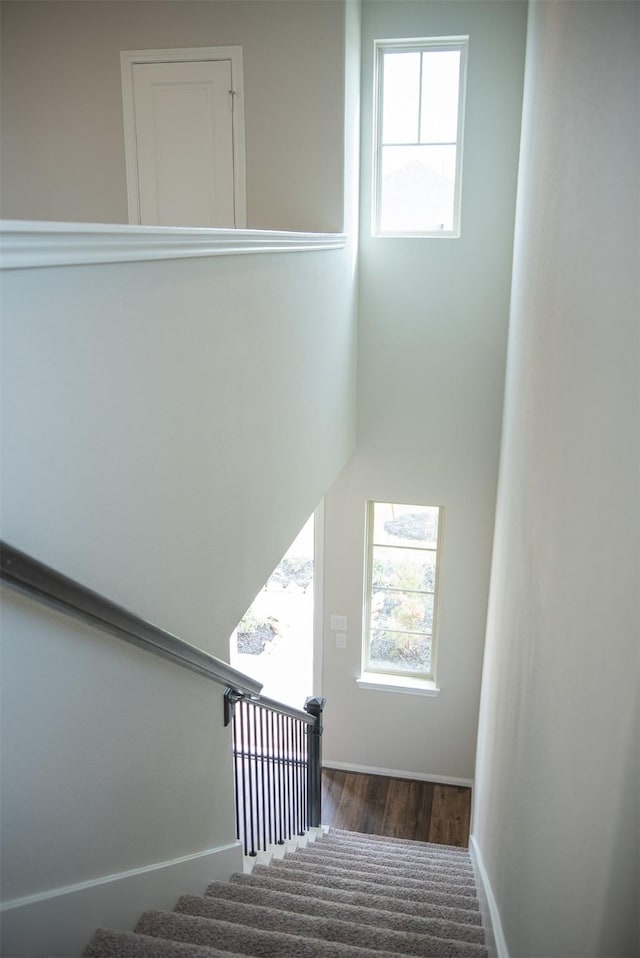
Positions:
(41, 582)
(277, 768)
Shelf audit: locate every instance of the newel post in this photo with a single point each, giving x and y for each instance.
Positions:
(315, 707)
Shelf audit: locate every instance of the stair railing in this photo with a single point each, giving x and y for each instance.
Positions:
(277, 751)
(277, 764)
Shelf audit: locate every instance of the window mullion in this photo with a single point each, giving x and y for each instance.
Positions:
(405, 632)
(389, 588)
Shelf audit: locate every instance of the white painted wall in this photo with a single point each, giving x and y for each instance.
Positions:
(166, 429)
(556, 800)
(62, 133)
(432, 333)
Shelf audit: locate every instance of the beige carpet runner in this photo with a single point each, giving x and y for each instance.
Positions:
(346, 895)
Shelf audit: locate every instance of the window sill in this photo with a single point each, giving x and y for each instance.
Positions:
(397, 683)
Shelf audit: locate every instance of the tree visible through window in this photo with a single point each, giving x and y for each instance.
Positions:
(400, 593)
(419, 102)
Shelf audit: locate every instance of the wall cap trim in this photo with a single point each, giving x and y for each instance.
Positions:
(108, 879)
(398, 773)
(26, 244)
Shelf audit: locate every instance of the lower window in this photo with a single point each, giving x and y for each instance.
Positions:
(401, 579)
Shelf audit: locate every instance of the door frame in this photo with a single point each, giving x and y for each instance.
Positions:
(128, 59)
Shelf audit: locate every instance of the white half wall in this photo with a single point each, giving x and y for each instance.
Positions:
(432, 334)
(556, 800)
(167, 426)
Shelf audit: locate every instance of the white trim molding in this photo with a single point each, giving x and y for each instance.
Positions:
(61, 921)
(381, 682)
(398, 773)
(25, 244)
(494, 938)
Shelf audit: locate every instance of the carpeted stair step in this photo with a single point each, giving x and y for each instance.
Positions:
(255, 941)
(374, 914)
(460, 874)
(127, 944)
(360, 838)
(376, 852)
(325, 929)
(363, 898)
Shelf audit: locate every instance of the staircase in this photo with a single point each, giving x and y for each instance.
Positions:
(345, 895)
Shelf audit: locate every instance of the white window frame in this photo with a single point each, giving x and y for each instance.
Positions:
(388, 679)
(416, 45)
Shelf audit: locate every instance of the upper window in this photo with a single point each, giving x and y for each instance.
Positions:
(400, 589)
(419, 114)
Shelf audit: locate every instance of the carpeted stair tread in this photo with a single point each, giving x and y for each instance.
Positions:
(324, 846)
(128, 944)
(377, 851)
(363, 898)
(375, 915)
(375, 876)
(367, 838)
(258, 942)
(336, 879)
(458, 874)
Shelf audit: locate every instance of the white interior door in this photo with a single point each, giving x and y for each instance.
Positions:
(183, 167)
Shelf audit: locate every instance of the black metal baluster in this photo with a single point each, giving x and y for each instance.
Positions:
(290, 783)
(305, 775)
(236, 785)
(296, 745)
(241, 707)
(256, 779)
(294, 773)
(272, 766)
(287, 780)
(267, 720)
(303, 817)
(281, 786)
(283, 749)
(250, 837)
(292, 790)
(264, 792)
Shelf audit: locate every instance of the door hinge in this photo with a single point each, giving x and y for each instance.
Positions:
(232, 95)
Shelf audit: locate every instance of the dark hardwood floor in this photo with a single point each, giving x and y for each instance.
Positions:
(396, 807)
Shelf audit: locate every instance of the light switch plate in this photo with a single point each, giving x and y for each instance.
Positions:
(339, 623)
(341, 640)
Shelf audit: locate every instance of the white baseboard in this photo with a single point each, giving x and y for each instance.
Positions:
(398, 773)
(495, 941)
(61, 921)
